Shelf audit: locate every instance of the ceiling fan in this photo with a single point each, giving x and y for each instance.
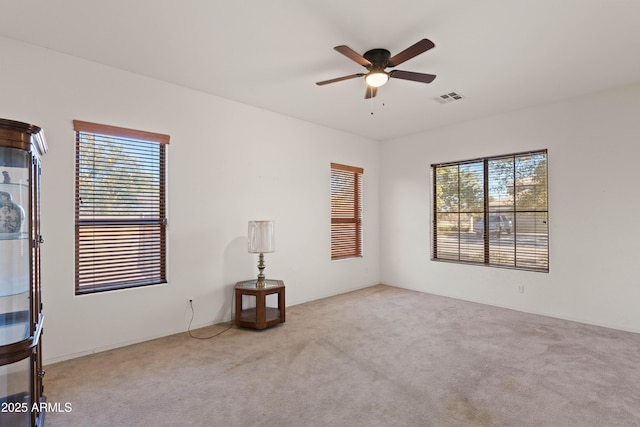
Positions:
(377, 60)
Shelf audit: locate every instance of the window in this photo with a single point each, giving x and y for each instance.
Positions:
(492, 211)
(120, 210)
(346, 211)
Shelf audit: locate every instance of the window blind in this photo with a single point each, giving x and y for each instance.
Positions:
(492, 211)
(120, 208)
(346, 211)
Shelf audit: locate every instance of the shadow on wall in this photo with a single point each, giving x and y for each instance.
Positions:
(238, 265)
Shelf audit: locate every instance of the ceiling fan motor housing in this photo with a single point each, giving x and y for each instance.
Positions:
(378, 58)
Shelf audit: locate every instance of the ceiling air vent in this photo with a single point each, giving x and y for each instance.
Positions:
(448, 97)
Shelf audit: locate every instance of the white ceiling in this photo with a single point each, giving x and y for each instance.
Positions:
(501, 55)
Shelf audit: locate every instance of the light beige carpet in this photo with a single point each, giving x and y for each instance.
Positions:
(380, 356)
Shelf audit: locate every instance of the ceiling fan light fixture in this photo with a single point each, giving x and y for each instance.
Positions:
(376, 78)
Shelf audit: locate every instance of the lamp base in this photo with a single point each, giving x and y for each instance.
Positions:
(261, 283)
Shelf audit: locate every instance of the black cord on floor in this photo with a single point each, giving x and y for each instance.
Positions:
(214, 335)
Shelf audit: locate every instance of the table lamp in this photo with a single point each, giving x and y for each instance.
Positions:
(261, 241)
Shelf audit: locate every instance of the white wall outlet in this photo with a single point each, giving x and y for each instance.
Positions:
(521, 289)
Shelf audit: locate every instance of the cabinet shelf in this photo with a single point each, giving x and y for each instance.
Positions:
(14, 236)
(14, 286)
(14, 327)
(8, 294)
(250, 315)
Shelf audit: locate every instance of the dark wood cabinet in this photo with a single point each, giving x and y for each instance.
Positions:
(21, 389)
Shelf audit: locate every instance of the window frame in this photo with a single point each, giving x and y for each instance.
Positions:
(525, 255)
(113, 234)
(343, 245)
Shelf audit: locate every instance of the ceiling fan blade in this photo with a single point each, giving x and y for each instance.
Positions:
(410, 75)
(371, 92)
(353, 55)
(414, 50)
(339, 79)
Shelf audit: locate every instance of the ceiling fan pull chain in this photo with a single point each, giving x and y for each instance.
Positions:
(369, 95)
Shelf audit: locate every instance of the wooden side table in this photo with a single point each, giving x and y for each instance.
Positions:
(260, 316)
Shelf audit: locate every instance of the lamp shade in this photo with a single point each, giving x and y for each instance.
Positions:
(260, 237)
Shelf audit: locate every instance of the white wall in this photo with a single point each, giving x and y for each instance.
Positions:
(228, 163)
(594, 205)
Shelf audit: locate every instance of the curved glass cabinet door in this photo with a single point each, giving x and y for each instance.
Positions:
(21, 146)
(15, 253)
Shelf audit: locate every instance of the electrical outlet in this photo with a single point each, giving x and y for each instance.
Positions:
(521, 289)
